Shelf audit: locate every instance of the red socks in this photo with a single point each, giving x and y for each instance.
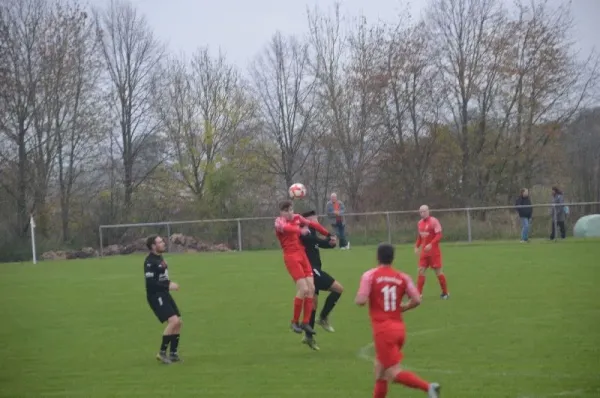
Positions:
(442, 280)
(308, 307)
(420, 283)
(381, 389)
(411, 380)
(297, 309)
(300, 305)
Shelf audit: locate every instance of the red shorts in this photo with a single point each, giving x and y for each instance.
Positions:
(432, 261)
(388, 345)
(298, 266)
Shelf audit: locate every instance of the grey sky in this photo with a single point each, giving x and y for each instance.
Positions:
(241, 28)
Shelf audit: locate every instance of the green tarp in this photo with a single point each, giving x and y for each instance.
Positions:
(587, 227)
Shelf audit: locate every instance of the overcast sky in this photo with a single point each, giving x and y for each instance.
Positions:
(242, 27)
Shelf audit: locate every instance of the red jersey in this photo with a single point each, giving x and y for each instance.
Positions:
(430, 232)
(288, 232)
(385, 287)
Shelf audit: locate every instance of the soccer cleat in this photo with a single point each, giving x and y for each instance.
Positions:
(307, 328)
(174, 357)
(312, 343)
(296, 328)
(434, 390)
(162, 356)
(325, 325)
(445, 296)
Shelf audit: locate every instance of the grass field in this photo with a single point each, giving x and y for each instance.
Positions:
(523, 321)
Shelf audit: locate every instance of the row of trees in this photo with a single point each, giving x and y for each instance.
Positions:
(100, 124)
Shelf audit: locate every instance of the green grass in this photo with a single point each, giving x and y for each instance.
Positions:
(523, 321)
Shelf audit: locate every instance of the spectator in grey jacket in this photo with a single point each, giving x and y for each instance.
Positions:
(335, 213)
(558, 213)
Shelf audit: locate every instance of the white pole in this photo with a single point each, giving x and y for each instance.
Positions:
(32, 226)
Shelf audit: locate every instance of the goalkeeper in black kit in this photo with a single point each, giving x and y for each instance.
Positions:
(158, 287)
(323, 281)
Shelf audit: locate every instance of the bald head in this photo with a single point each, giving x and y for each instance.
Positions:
(424, 211)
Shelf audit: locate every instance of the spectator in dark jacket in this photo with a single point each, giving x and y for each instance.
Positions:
(558, 213)
(525, 211)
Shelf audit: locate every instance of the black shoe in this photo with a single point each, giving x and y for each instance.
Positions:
(296, 328)
(162, 356)
(307, 328)
(174, 357)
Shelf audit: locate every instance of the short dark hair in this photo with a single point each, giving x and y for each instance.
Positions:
(309, 214)
(557, 190)
(285, 205)
(385, 254)
(150, 241)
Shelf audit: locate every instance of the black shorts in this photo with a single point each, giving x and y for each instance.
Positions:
(323, 280)
(163, 306)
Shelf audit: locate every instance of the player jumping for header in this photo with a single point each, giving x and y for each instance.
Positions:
(383, 288)
(428, 246)
(323, 281)
(289, 227)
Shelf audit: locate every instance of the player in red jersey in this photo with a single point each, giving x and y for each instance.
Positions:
(383, 288)
(428, 246)
(289, 227)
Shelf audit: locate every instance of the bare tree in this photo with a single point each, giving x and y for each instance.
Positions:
(131, 54)
(285, 92)
(202, 107)
(544, 83)
(464, 31)
(412, 112)
(350, 94)
(71, 111)
(22, 25)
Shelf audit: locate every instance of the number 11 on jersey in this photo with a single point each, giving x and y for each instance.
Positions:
(390, 297)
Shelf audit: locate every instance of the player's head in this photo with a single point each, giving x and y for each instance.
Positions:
(385, 254)
(424, 211)
(334, 197)
(155, 244)
(310, 215)
(524, 192)
(286, 209)
(556, 191)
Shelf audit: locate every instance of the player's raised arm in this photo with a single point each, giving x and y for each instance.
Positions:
(284, 227)
(315, 225)
(364, 290)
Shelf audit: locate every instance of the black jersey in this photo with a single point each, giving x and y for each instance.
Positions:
(157, 274)
(312, 243)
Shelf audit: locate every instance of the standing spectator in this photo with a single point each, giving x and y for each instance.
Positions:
(525, 211)
(335, 212)
(558, 213)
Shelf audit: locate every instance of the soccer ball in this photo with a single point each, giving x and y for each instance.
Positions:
(297, 191)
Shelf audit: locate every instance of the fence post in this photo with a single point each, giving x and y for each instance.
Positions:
(239, 233)
(555, 223)
(33, 249)
(101, 243)
(169, 237)
(469, 236)
(389, 226)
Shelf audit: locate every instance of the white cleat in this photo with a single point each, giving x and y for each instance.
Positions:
(434, 390)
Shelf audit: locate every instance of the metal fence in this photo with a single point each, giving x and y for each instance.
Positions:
(460, 224)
